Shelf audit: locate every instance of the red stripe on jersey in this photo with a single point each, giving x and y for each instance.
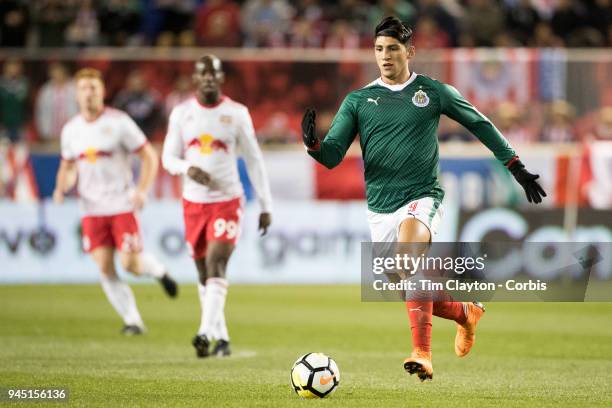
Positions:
(97, 116)
(512, 161)
(99, 153)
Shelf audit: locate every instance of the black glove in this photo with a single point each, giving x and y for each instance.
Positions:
(308, 130)
(532, 189)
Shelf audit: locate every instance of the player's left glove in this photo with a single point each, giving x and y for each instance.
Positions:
(527, 180)
(309, 130)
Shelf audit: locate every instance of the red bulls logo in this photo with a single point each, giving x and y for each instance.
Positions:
(207, 144)
(91, 154)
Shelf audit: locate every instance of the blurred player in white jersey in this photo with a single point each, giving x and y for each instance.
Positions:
(97, 144)
(205, 135)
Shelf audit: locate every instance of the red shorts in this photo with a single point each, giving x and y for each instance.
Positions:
(205, 222)
(119, 231)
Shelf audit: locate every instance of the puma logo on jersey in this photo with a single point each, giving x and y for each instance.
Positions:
(374, 101)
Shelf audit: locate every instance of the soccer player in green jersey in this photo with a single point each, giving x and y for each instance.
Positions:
(397, 118)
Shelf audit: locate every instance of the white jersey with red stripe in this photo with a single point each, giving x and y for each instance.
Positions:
(101, 149)
(211, 138)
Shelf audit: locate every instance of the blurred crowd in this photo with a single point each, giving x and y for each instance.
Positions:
(553, 123)
(35, 105)
(302, 23)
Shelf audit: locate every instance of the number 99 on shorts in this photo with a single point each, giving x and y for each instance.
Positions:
(225, 229)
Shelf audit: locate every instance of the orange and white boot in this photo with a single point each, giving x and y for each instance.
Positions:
(419, 363)
(466, 332)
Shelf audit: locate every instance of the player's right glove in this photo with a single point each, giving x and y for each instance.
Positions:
(527, 180)
(309, 130)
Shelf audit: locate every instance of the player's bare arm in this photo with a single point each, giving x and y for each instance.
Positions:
(148, 173)
(64, 180)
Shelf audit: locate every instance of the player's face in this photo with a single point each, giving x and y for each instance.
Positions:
(90, 94)
(208, 79)
(392, 58)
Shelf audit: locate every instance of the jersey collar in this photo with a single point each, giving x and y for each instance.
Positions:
(221, 99)
(397, 87)
(102, 111)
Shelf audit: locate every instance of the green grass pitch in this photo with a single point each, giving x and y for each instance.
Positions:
(526, 355)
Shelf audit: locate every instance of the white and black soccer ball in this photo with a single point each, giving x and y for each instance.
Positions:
(315, 375)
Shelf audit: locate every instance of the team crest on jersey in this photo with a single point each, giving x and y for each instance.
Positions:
(207, 144)
(90, 154)
(420, 99)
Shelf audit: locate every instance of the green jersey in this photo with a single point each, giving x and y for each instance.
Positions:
(398, 126)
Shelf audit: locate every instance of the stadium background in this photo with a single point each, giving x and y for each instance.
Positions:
(551, 100)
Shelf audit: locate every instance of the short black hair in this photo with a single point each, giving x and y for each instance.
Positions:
(209, 62)
(393, 27)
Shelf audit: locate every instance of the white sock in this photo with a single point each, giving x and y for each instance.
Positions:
(220, 332)
(214, 303)
(122, 299)
(151, 266)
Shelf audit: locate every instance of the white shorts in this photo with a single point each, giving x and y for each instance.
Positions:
(385, 227)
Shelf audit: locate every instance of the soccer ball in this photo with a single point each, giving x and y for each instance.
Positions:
(315, 375)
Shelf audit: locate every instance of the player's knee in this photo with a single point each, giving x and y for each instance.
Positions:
(130, 263)
(108, 272)
(413, 230)
(201, 268)
(202, 277)
(216, 265)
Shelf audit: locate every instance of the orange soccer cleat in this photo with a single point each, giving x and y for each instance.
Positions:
(466, 332)
(419, 363)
